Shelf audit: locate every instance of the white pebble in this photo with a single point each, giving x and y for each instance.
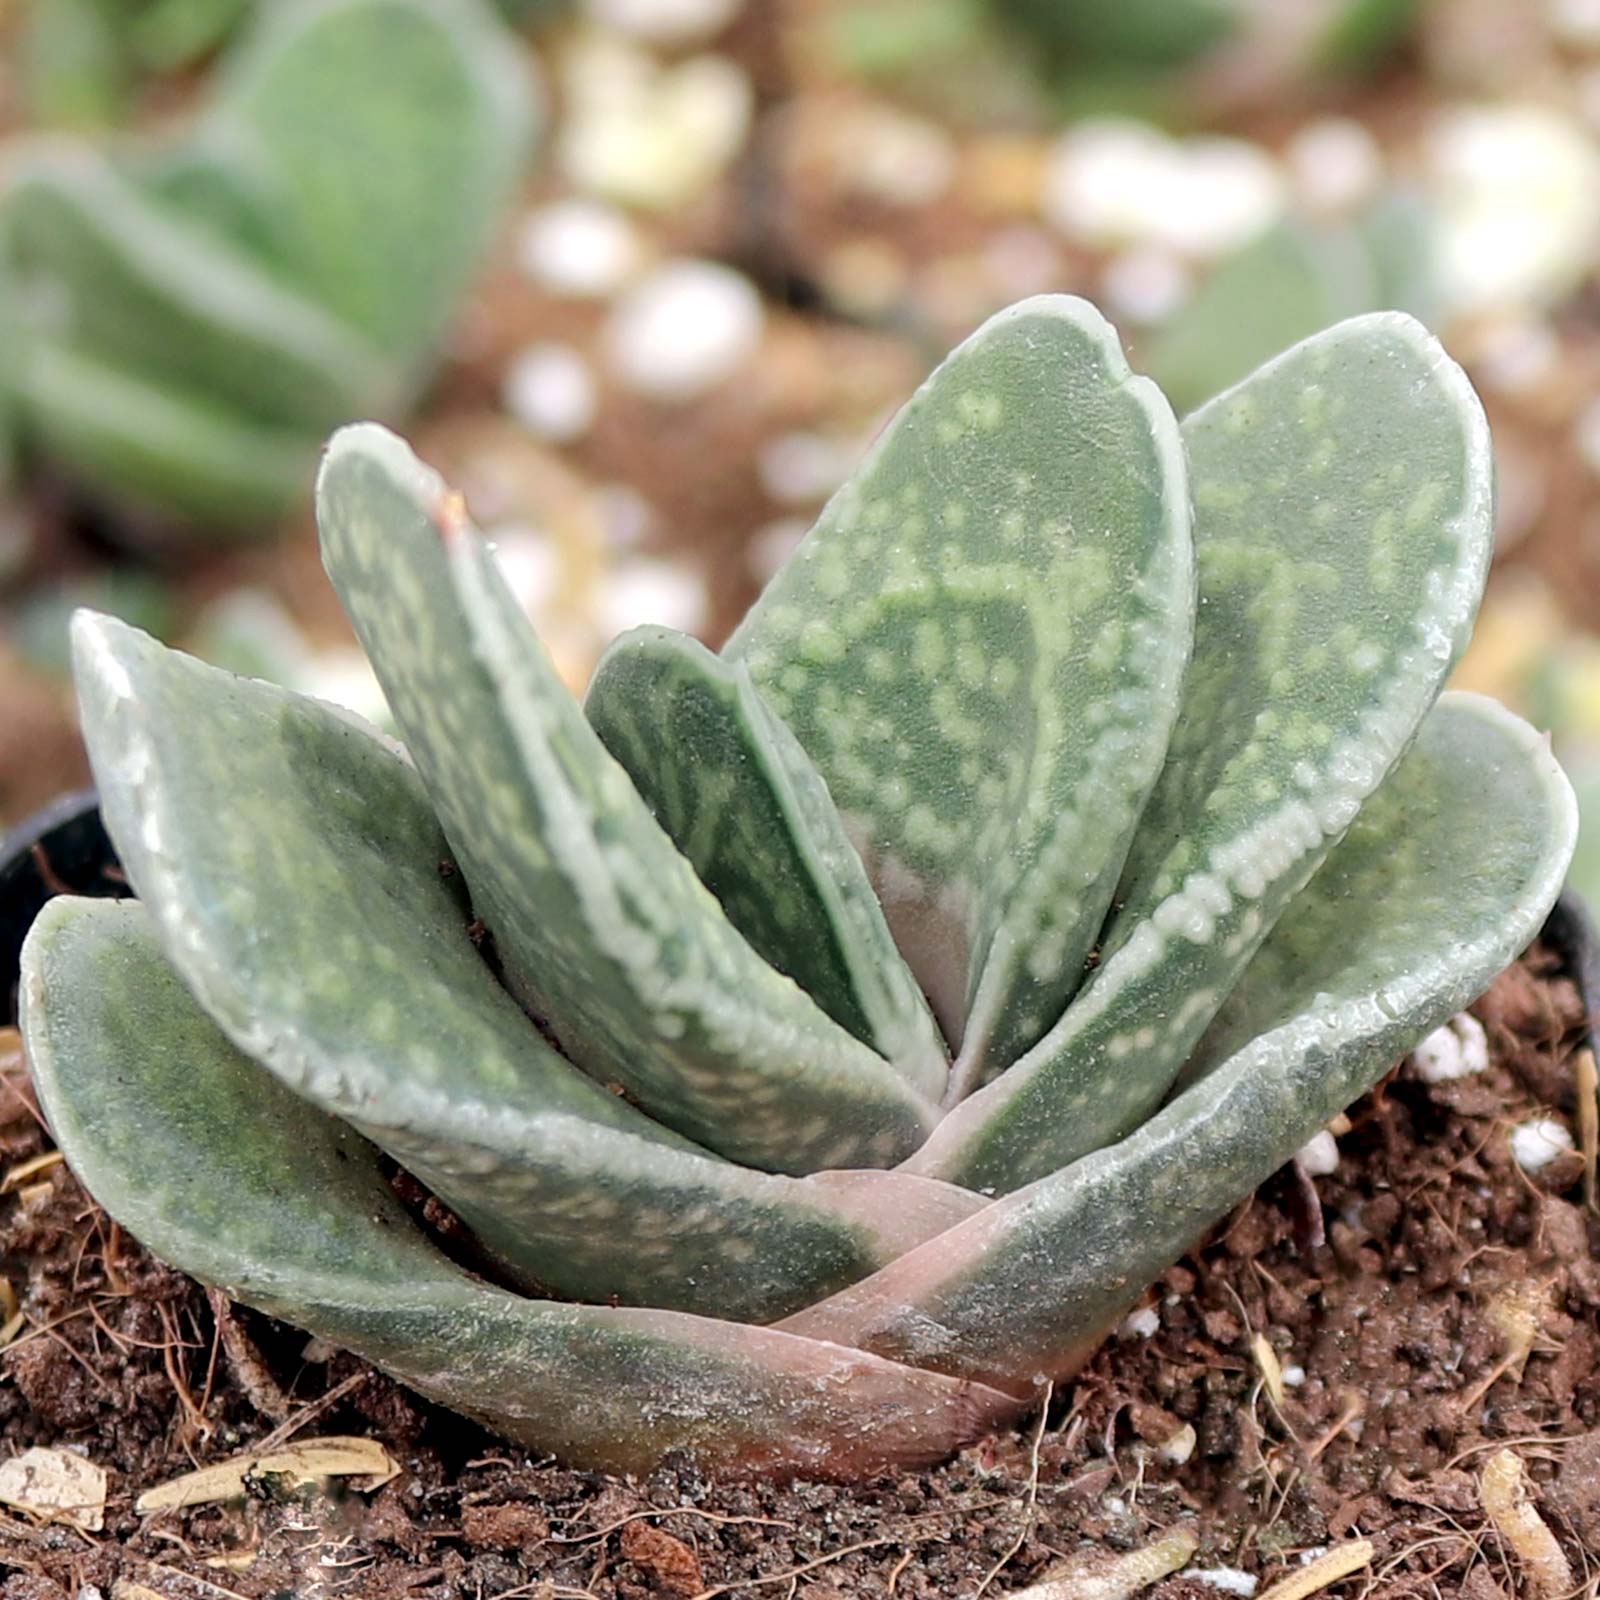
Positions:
(684, 329)
(646, 135)
(1230, 1580)
(549, 390)
(578, 247)
(1179, 1447)
(1576, 22)
(665, 21)
(1457, 1050)
(1537, 1143)
(1293, 1377)
(1319, 1155)
(1335, 165)
(1514, 187)
(530, 565)
(1140, 1324)
(802, 466)
(894, 157)
(1112, 182)
(651, 591)
(1147, 284)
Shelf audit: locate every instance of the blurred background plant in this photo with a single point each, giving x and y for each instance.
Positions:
(748, 226)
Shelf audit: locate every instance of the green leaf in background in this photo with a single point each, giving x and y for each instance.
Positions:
(292, 1215)
(1339, 577)
(386, 131)
(1390, 939)
(980, 646)
(602, 926)
(738, 796)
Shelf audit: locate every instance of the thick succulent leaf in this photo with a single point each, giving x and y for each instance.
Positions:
(1291, 282)
(390, 131)
(157, 446)
(1446, 875)
(131, 282)
(1343, 523)
(601, 924)
(742, 801)
(296, 877)
(225, 1174)
(980, 645)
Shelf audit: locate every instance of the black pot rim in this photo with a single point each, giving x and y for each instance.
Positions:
(34, 830)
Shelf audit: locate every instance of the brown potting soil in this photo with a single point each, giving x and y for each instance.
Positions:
(1352, 1388)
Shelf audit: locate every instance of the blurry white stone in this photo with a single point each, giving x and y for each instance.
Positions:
(803, 466)
(1146, 284)
(1319, 1155)
(684, 329)
(345, 678)
(1230, 1580)
(772, 545)
(1516, 353)
(644, 134)
(550, 391)
(1293, 1377)
(627, 519)
(1020, 260)
(665, 21)
(1514, 189)
(651, 591)
(1335, 165)
(896, 158)
(530, 564)
(578, 247)
(1457, 1050)
(1537, 1143)
(1112, 182)
(1576, 22)
(1179, 1447)
(1140, 1324)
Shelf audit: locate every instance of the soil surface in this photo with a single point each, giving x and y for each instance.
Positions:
(1348, 1352)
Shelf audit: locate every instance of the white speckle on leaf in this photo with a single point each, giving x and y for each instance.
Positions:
(1537, 1142)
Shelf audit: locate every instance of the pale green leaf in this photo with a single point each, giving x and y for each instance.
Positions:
(1293, 281)
(130, 282)
(739, 797)
(1343, 523)
(226, 1175)
(299, 883)
(1448, 872)
(392, 134)
(601, 924)
(156, 447)
(980, 645)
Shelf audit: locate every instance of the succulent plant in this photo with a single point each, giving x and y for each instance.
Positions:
(189, 321)
(822, 1042)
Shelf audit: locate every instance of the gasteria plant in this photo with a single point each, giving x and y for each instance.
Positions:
(825, 1041)
(184, 324)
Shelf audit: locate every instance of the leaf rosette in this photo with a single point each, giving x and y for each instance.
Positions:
(822, 1042)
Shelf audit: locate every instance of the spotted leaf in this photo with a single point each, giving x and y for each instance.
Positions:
(1343, 525)
(742, 801)
(228, 1176)
(299, 883)
(980, 645)
(601, 924)
(1390, 938)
